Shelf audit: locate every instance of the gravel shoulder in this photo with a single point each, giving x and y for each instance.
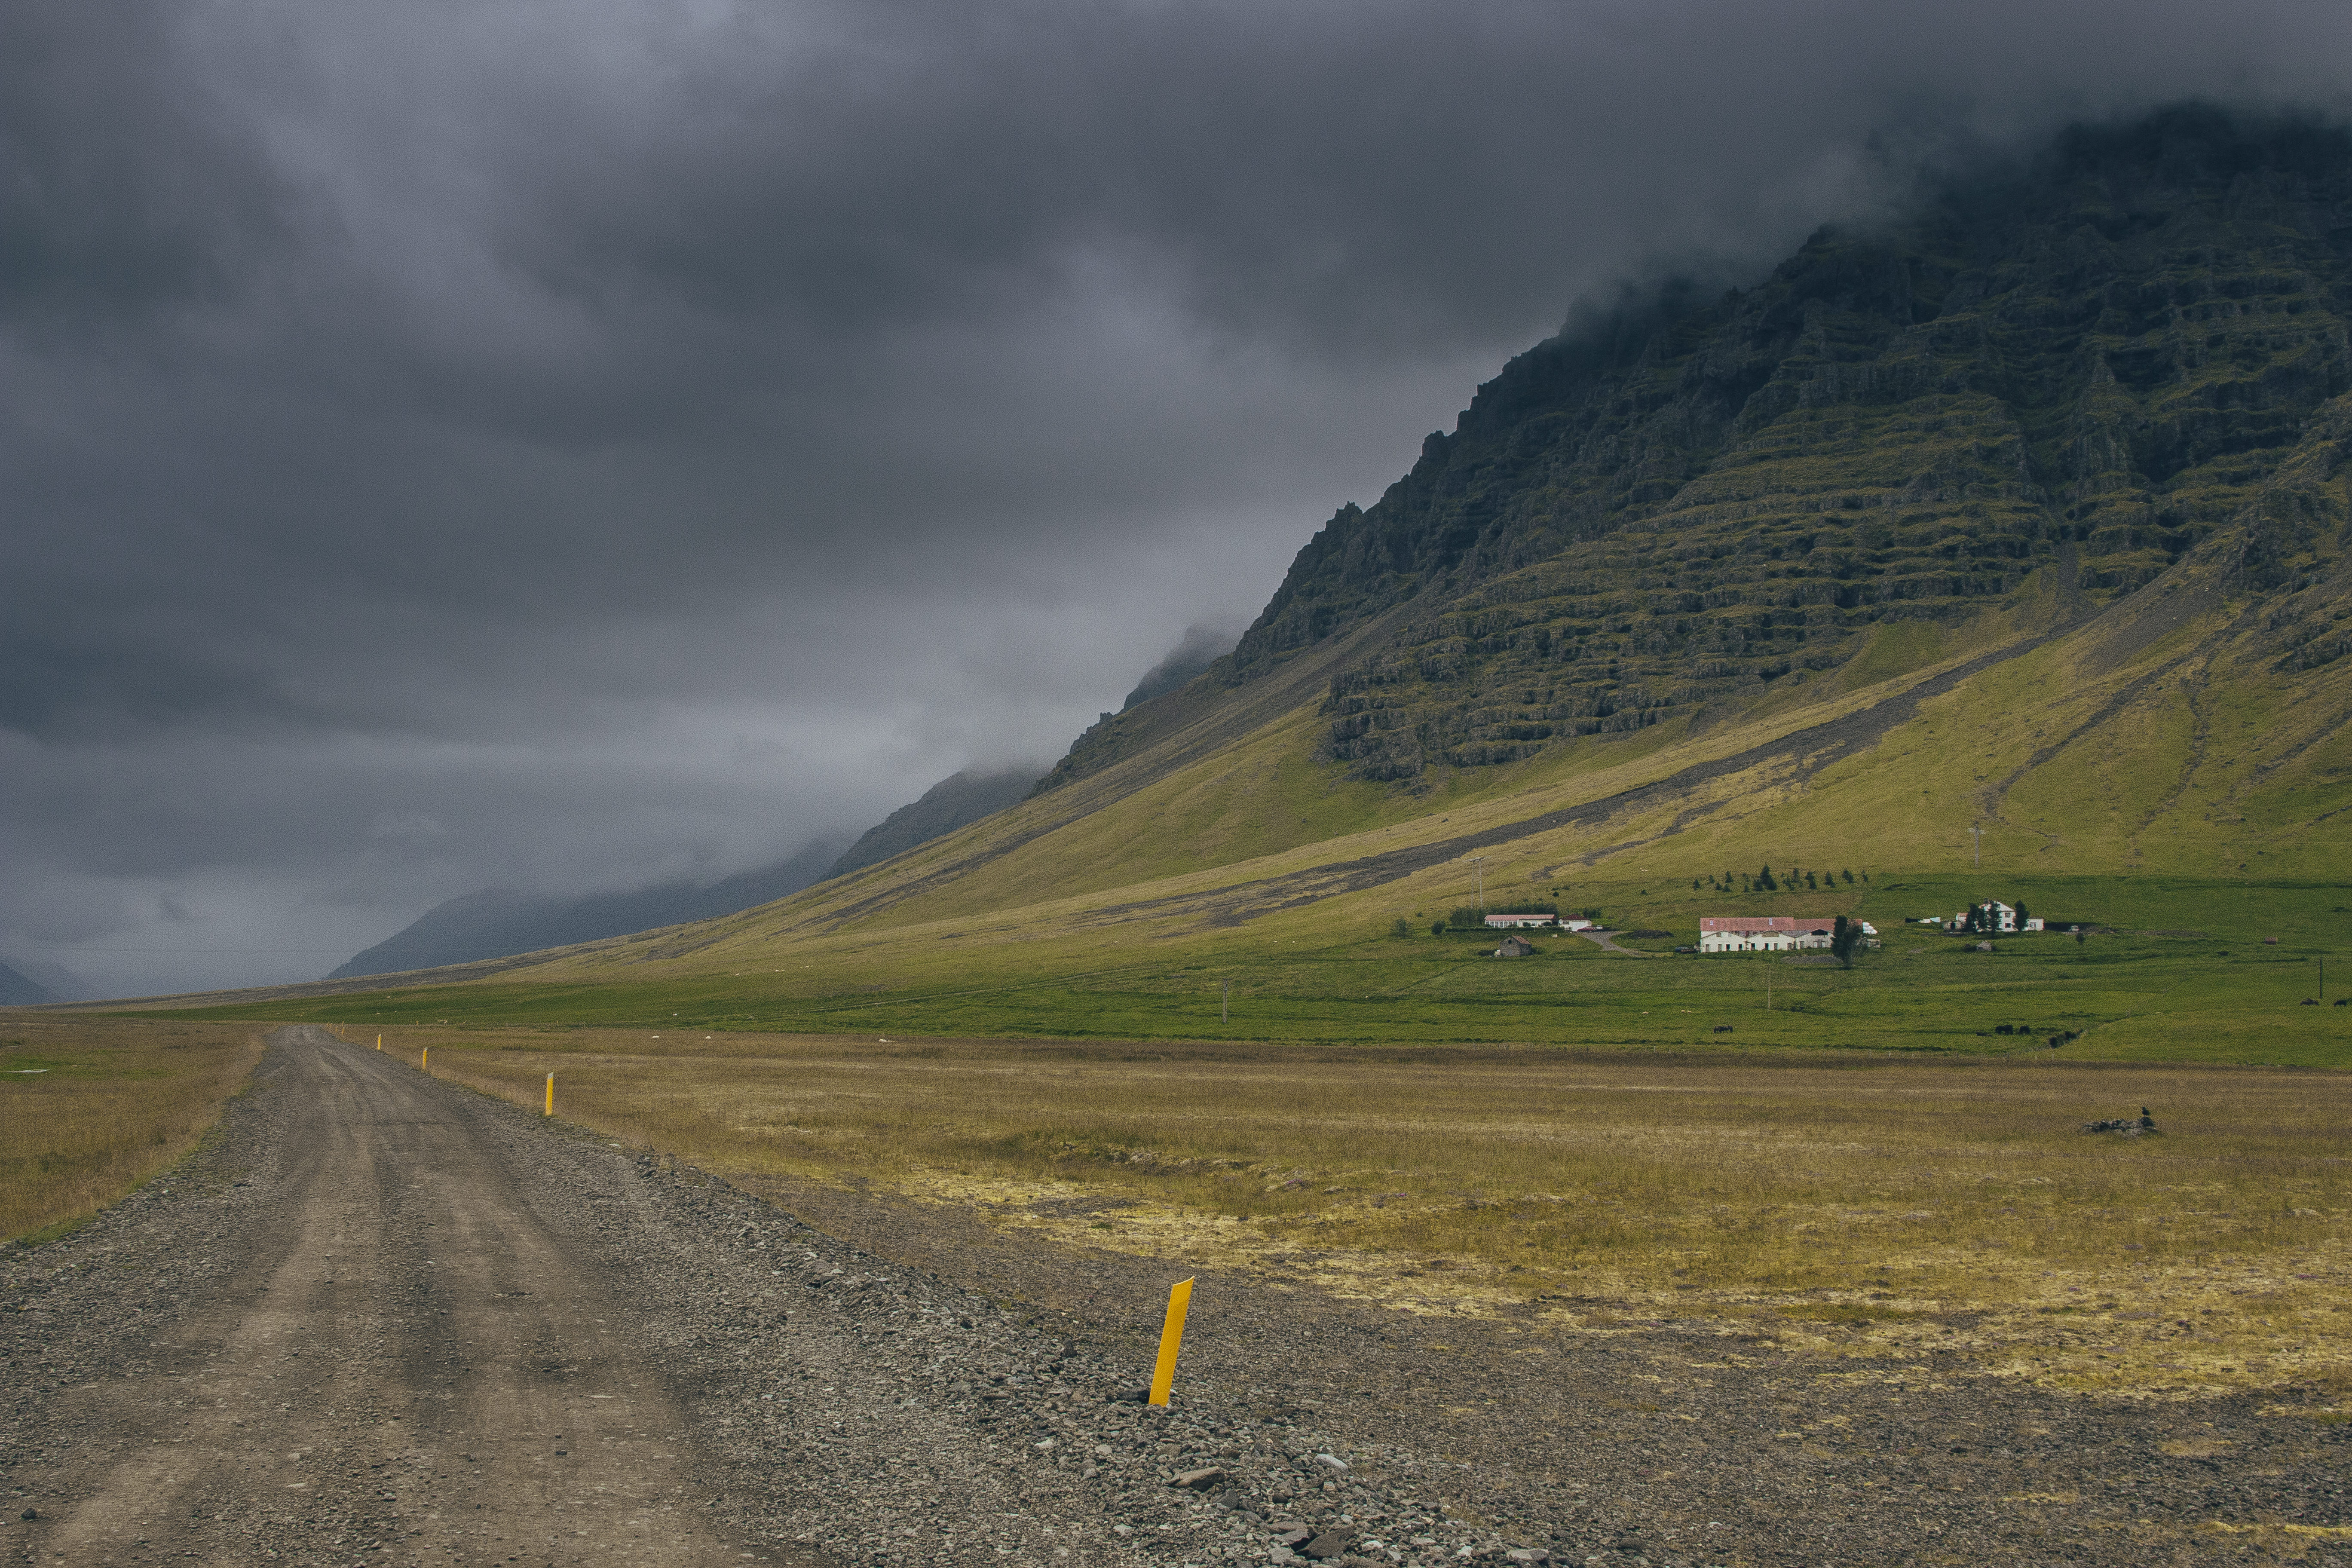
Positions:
(381, 1319)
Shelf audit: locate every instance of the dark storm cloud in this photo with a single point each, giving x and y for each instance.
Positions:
(120, 192)
(566, 445)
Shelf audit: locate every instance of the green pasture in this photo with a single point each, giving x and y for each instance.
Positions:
(2182, 973)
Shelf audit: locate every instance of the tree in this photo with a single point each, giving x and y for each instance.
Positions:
(1848, 874)
(1400, 929)
(1845, 937)
(1809, 882)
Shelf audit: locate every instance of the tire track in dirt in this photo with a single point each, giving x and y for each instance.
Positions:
(404, 1301)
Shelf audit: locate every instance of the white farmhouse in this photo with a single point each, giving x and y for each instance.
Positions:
(1995, 916)
(1760, 933)
(1770, 933)
(1520, 923)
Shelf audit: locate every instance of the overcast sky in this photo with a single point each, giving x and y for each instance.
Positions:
(564, 444)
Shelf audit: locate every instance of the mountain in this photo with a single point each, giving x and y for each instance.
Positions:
(2083, 368)
(61, 983)
(1190, 658)
(2074, 423)
(954, 801)
(498, 925)
(17, 990)
(2025, 511)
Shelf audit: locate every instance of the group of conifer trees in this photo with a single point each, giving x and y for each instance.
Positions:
(1766, 881)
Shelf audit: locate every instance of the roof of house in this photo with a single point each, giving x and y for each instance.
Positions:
(1757, 925)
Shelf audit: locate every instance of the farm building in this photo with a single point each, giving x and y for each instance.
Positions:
(1515, 947)
(1534, 921)
(1761, 934)
(1995, 917)
(1770, 933)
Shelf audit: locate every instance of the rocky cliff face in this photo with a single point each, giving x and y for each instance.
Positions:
(2065, 376)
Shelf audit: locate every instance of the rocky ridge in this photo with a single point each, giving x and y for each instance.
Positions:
(2050, 380)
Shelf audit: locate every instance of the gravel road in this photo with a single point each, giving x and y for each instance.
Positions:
(380, 1319)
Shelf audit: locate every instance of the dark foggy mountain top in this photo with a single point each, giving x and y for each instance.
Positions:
(60, 982)
(450, 450)
(2094, 359)
(954, 801)
(500, 923)
(1201, 648)
(18, 990)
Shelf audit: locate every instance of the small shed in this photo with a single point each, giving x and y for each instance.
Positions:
(1515, 947)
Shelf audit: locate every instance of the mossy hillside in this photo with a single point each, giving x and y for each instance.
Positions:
(2150, 994)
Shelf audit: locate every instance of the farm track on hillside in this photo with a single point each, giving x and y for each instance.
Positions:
(380, 1318)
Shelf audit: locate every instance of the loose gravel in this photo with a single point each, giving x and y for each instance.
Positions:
(837, 1378)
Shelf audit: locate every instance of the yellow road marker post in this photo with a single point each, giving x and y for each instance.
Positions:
(1172, 1338)
(551, 1096)
(379, 1042)
(424, 1059)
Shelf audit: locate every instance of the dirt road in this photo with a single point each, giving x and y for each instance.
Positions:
(1607, 942)
(407, 1345)
(383, 1319)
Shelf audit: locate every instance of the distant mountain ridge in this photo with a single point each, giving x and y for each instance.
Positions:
(18, 990)
(502, 923)
(498, 925)
(62, 983)
(1190, 658)
(956, 801)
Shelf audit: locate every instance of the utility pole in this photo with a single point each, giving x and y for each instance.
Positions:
(1225, 1004)
(1978, 833)
(1478, 861)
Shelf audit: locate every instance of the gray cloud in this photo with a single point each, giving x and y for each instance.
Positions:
(563, 445)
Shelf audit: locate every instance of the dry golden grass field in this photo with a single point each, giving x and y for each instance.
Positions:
(1850, 1205)
(90, 1107)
